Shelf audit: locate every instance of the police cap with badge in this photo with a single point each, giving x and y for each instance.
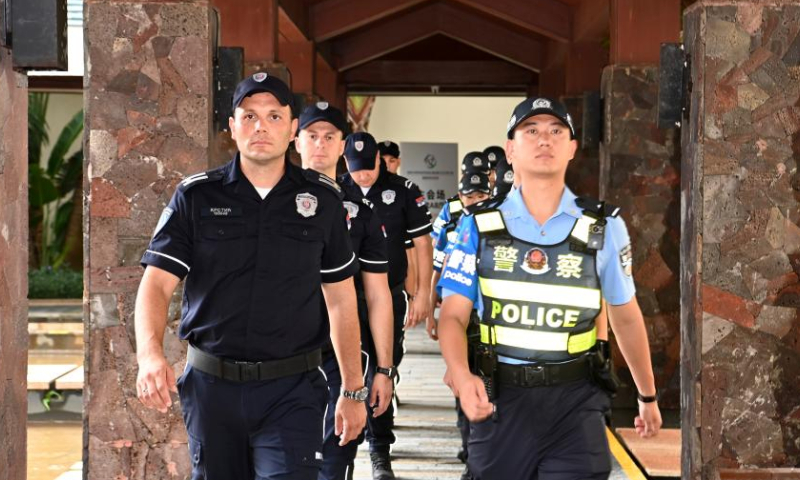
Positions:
(494, 154)
(360, 150)
(387, 147)
(262, 82)
(538, 106)
(473, 182)
(475, 162)
(322, 112)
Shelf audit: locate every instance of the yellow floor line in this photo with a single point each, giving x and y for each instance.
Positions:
(624, 460)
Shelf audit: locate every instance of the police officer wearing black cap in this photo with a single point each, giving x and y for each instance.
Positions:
(390, 154)
(404, 212)
(495, 155)
(258, 242)
(320, 143)
(505, 178)
(538, 267)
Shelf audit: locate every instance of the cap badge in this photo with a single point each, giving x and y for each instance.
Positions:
(323, 105)
(306, 204)
(260, 76)
(492, 157)
(475, 180)
(387, 143)
(508, 177)
(388, 196)
(359, 145)
(541, 103)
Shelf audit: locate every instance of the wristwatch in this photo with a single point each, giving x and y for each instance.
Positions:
(389, 372)
(646, 399)
(359, 395)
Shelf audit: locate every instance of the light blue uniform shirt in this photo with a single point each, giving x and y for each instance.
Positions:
(459, 275)
(441, 220)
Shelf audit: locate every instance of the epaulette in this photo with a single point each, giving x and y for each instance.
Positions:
(214, 175)
(487, 204)
(367, 203)
(400, 180)
(597, 208)
(321, 179)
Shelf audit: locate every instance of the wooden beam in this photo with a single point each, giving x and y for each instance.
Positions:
(387, 73)
(591, 21)
(550, 18)
(332, 18)
(240, 18)
(300, 59)
(326, 80)
(289, 31)
(639, 27)
(293, 17)
(464, 26)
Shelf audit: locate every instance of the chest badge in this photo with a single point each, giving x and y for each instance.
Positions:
(569, 266)
(388, 196)
(352, 209)
(306, 204)
(505, 258)
(535, 262)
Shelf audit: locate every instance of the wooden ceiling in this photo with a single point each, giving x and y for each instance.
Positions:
(444, 46)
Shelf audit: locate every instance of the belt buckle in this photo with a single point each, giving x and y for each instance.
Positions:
(248, 370)
(534, 375)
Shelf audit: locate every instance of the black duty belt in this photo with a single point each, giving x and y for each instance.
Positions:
(396, 290)
(249, 371)
(544, 374)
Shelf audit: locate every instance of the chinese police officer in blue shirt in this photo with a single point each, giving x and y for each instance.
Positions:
(538, 266)
(320, 142)
(254, 240)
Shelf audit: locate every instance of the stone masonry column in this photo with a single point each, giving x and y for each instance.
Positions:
(13, 268)
(148, 118)
(740, 245)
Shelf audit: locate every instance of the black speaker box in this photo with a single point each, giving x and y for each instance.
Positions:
(39, 34)
(228, 72)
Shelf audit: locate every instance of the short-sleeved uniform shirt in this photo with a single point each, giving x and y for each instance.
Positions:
(367, 236)
(253, 266)
(404, 212)
(613, 260)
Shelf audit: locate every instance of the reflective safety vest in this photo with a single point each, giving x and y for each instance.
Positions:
(539, 301)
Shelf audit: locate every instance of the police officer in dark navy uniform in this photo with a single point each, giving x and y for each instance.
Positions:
(537, 266)
(320, 142)
(259, 242)
(390, 154)
(402, 208)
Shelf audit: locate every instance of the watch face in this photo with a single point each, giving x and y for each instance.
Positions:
(361, 395)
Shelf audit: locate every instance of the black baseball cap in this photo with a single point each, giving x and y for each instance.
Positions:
(494, 154)
(475, 162)
(262, 82)
(360, 150)
(536, 106)
(322, 112)
(473, 182)
(388, 147)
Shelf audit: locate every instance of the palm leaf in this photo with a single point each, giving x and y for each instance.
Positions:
(37, 126)
(66, 138)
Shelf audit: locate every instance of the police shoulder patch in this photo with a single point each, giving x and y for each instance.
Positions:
(323, 180)
(214, 175)
(597, 208)
(367, 203)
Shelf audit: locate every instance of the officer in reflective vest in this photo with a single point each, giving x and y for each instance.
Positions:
(538, 266)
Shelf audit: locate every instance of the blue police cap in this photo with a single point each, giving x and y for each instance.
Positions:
(537, 106)
(387, 147)
(360, 151)
(262, 82)
(494, 154)
(323, 112)
(475, 162)
(473, 182)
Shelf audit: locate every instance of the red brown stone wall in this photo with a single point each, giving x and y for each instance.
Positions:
(148, 121)
(13, 268)
(640, 172)
(743, 144)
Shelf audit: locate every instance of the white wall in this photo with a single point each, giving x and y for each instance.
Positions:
(60, 110)
(474, 123)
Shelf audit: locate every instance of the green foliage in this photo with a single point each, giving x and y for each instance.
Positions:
(55, 283)
(52, 188)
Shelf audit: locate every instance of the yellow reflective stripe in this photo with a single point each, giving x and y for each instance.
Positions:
(456, 206)
(489, 221)
(539, 341)
(582, 341)
(540, 293)
(581, 229)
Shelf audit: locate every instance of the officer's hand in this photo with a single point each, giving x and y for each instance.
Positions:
(351, 416)
(648, 423)
(380, 396)
(154, 382)
(430, 326)
(419, 311)
(472, 394)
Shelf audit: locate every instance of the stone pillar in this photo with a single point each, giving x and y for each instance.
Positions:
(639, 172)
(740, 246)
(583, 174)
(13, 268)
(148, 118)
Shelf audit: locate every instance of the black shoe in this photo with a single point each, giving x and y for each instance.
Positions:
(381, 466)
(462, 455)
(465, 475)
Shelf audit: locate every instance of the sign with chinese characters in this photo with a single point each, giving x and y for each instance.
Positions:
(434, 168)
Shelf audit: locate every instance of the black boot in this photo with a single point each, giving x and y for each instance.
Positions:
(381, 466)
